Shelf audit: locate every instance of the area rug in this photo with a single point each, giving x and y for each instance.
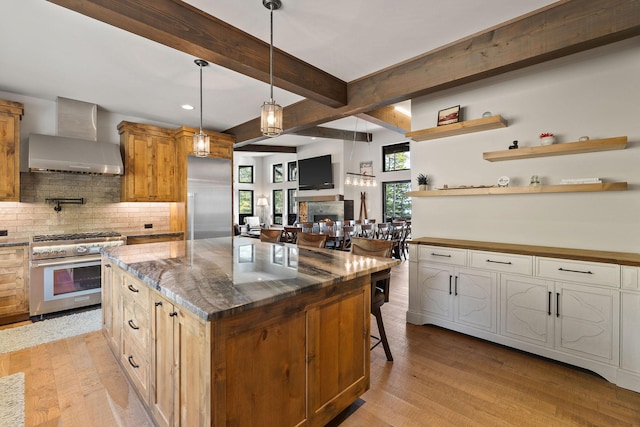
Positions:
(12, 400)
(48, 330)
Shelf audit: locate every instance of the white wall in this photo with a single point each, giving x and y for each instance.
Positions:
(593, 93)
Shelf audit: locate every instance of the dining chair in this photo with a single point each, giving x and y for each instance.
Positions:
(307, 227)
(397, 235)
(290, 234)
(348, 232)
(367, 231)
(270, 235)
(380, 283)
(311, 240)
(382, 232)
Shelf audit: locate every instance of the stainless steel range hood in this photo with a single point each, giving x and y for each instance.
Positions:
(74, 148)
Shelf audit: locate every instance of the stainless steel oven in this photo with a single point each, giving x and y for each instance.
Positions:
(66, 270)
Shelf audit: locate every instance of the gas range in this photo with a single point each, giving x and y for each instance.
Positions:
(49, 246)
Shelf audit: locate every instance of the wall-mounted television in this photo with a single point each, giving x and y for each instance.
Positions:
(315, 173)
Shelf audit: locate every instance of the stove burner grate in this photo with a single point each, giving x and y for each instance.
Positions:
(75, 236)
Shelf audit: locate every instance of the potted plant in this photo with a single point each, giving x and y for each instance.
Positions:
(423, 182)
(547, 138)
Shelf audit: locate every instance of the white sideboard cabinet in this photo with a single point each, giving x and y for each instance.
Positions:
(575, 310)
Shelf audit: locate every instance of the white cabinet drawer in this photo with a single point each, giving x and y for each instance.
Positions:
(630, 278)
(595, 273)
(509, 263)
(449, 256)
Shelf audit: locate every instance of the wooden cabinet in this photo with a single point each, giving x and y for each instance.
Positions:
(150, 164)
(10, 115)
(112, 304)
(14, 284)
(180, 366)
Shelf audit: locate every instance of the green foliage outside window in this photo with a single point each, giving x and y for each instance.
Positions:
(245, 174)
(396, 157)
(396, 202)
(245, 202)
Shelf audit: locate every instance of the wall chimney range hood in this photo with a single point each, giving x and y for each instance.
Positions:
(75, 148)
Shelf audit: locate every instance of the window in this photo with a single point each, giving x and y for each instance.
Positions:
(292, 171)
(278, 175)
(396, 157)
(278, 205)
(245, 204)
(245, 174)
(291, 206)
(396, 204)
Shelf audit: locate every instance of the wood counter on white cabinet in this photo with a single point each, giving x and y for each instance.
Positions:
(232, 330)
(577, 306)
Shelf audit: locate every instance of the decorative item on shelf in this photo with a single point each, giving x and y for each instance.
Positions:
(449, 115)
(514, 146)
(365, 178)
(583, 138)
(201, 139)
(534, 180)
(486, 114)
(423, 182)
(271, 114)
(503, 181)
(547, 138)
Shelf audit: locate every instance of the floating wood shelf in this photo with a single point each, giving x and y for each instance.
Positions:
(469, 126)
(539, 189)
(606, 144)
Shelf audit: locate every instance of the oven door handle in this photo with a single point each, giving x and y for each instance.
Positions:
(64, 261)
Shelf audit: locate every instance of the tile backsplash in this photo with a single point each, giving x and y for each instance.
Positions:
(101, 209)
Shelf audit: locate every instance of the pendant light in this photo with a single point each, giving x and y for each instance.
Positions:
(201, 140)
(271, 115)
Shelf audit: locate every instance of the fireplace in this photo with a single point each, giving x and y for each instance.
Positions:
(324, 217)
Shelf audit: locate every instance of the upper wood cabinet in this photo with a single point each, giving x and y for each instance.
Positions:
(150, 159)
(10, 114)
(220, 144)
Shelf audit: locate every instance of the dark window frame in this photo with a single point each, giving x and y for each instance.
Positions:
(275, 172)
(277, 216)
(250, 167)
(242, 216)
(390, 150)
(292, 171)
(385, 215)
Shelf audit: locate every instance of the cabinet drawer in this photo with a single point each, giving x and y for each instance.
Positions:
(595, 273)
(136, 364)
(135, 290)
(450, 256)
(509, 263)
(630, 278)
(135, 323)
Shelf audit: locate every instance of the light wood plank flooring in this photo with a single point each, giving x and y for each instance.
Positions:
(438, 378)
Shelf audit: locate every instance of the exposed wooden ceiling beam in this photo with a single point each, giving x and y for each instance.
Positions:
(325, 132)
(261, 148)
(388, 117)
(561, 29)
(181, 26)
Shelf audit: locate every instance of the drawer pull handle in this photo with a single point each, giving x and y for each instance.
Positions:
(132, 289)
(174, 313)
(574, 271)
(455, 287)
(133, 325)
(450, 284)
(158, 303)
(435, 254)
(549, 304)
(132, 363)
(108, 265)
(557, 304)
(500, 262)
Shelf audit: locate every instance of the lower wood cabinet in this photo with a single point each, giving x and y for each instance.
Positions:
(14, 284)
(569, 310)
(299, 361)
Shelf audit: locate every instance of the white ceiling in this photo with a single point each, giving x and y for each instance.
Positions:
(48, 51)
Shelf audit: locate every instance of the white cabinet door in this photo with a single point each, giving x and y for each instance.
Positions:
(587, 322)
(527, 309)
(630, 332)
(475, 299)
(434, 289)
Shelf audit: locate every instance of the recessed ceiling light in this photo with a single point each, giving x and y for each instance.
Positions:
(187, 107)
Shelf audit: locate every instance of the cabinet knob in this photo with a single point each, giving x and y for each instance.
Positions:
(158, 303)
(175, 313)
(108, 265)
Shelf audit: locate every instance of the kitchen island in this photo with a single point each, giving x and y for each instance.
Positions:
(234, 331)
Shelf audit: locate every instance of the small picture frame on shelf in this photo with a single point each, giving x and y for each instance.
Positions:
(449, 115)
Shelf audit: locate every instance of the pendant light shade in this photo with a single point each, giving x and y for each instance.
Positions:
(271, 114)
(201, 140)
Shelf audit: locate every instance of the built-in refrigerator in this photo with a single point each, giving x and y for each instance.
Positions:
(209, 211)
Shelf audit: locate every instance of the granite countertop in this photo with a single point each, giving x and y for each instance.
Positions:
(14, 241)
(214, 278)
(152, 233)
(622, 258)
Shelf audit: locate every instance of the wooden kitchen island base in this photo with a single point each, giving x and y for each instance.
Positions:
(295, 361)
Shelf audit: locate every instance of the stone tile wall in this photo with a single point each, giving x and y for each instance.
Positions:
(101, 210)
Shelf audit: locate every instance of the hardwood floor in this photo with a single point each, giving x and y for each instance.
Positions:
(438, 378)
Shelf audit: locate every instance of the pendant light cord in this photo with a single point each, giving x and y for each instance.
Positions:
(271, 53)
(200, 66)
